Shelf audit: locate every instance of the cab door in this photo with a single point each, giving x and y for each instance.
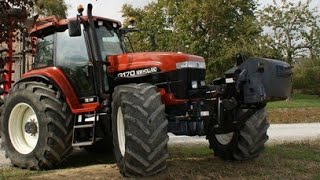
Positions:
(72, 58)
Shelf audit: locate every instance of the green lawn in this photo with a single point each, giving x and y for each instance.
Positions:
(298, 101)
(287, 161)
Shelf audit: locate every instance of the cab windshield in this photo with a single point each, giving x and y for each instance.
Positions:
(74, 48)
(109, 42)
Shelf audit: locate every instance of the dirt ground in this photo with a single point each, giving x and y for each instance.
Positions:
(288, 161)
(105, 171)
(294, 115)
(3, 161)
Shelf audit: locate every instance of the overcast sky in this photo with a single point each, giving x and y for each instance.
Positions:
(112, 8)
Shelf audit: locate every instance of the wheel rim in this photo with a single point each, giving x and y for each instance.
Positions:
(23, 128)
(224, 139)
(121, 132)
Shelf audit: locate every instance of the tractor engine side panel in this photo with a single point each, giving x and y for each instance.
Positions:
(160, 69)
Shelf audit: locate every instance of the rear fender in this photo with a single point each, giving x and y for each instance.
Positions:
(55, 76)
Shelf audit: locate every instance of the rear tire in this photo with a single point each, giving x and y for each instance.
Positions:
(36, 111)
(244, 144)
(139, 130)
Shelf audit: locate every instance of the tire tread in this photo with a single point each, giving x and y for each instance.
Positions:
(58, 143)
(146, 145)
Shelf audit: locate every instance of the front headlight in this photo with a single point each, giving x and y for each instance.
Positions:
(194, 85)
(191, 64)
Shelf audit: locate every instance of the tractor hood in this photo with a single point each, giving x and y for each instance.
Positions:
(163, 61)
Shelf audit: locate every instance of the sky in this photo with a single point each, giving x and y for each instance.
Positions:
(112, 8)
(106, 8)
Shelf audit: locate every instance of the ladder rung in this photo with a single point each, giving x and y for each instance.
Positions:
(86, 143)
(97, 139)
(84, 126)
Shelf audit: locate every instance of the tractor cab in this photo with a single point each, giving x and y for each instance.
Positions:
(57, 46)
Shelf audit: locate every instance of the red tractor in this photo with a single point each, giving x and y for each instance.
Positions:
(85, 90)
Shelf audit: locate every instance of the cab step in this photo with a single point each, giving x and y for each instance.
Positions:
(84, 126)
(79, 125)
(80, 144)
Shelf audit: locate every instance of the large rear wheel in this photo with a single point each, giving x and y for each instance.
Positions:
(36, 126)
(245, 143)
(139, 130)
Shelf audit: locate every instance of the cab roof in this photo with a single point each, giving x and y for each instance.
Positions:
(49, 25)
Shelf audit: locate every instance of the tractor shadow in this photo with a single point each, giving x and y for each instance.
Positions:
(81, 157)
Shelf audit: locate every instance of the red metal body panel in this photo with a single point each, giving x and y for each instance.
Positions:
(169, 99)
(166, 61)
(9, 60)
(58, 76)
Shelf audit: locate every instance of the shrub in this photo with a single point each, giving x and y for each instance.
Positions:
(306, 77)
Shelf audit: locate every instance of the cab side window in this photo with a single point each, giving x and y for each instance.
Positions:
(44, 54)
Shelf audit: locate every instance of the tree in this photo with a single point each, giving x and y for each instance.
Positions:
(306, 76)
(14, 13)
(213, 29)
(51, 7)
(14, 25)
(152, 21)
(292, 27)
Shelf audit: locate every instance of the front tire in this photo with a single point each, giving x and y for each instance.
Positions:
(36, 126)
(139, 130)
(245, 143)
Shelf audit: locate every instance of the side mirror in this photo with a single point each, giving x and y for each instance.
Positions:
(74, 27)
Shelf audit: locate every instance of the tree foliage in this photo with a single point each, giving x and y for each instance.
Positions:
(51, 7)
(14, 13)
(293, 28)
(213, 29)
(16, 18)
(306, 77)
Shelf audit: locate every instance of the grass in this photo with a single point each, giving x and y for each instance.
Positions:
(298, 101)
(301, 109)
(14, 173)
(286, 161)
